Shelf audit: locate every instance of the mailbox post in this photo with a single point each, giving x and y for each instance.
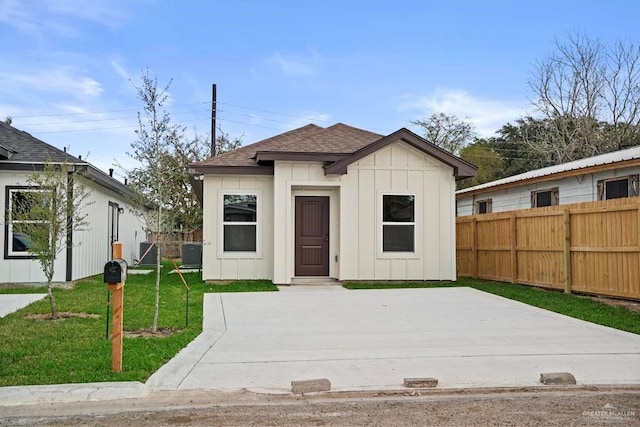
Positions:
(115, 274)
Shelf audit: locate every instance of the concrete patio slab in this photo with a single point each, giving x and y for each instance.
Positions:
(373, 339)
(14, 302)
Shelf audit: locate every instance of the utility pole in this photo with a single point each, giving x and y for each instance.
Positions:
(213, 120)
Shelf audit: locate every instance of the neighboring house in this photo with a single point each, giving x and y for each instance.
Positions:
(336, 202)
(110, 216)
(607, 176)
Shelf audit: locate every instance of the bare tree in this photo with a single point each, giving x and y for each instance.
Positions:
(46, 213)
(446, 131)
(588, 96)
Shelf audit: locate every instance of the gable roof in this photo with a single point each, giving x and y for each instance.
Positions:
(20, 151)
(613, 160)
(338, 146)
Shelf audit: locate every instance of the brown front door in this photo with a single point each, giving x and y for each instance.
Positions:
(312, 236)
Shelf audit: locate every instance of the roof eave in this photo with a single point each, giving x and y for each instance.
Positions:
(230, 170)
(461, 169)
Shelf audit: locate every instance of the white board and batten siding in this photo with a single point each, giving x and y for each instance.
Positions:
(293, 179)
(397, 169)
(220, 265)
(572, 189)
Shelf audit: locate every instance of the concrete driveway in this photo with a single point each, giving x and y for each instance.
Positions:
(373, 339)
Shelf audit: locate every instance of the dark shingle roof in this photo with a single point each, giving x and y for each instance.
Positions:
(27, 148)
(22, 151)
(336, 139)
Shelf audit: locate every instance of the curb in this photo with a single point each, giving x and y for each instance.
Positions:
(27, 395)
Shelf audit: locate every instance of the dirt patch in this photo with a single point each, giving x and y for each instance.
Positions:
(61, 316)
(631, 305)
(147, 333)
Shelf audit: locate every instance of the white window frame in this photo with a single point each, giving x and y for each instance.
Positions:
(258, 223)
(398, 254)
(9, 253)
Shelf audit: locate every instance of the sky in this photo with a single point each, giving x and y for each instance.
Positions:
(70, 68)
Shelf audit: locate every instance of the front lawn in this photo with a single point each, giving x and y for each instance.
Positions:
(580, 307)
(76, 349)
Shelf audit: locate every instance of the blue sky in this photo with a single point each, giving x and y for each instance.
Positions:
(69, 67)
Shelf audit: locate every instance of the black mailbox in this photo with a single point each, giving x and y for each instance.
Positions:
(115, 271)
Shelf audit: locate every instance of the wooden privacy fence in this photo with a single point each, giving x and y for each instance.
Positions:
(591, 247)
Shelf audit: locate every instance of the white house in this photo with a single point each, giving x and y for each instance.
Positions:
(336, 202)
(607, 176)
(110, 215)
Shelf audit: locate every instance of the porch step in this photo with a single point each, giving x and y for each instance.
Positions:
(323, 281)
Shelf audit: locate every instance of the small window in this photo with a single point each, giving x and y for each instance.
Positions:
(398, 223)
(26, 216)
(617, 188)
(240, 222)
(541, 198)
(483, 206)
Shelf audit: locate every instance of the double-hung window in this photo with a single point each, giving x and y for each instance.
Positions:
(26, 219)
(240, 222)
(398, 223)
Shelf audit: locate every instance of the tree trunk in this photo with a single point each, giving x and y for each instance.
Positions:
(154, 328)
(52, 300)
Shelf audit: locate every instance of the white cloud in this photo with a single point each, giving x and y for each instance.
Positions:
(54, 79)
(295, 66)
(486, 115)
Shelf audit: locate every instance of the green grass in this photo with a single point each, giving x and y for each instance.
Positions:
(76, 350)
(577, 306)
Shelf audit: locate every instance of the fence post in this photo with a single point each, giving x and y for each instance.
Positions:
(566, 228)
(474, 248)
(514, 253)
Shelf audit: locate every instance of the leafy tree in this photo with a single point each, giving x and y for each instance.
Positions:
(48, 212)
(489, 162)
(446, 131)
(156, 136)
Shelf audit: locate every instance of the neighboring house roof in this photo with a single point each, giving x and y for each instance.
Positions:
(338, 146)
(21, 151)
(613, 160)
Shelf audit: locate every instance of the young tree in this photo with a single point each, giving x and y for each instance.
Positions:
(47, 213)
(446, 131)
(156, 136)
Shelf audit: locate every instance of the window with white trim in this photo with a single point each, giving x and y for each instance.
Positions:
(24, 217)
(398, 222)
(240, 222)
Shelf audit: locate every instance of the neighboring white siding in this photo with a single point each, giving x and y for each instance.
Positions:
(218, 265)
(22, 270)
(575, 189)
(91, 247)
(400, 169)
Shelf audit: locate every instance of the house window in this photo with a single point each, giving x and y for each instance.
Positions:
(550, 197)
(483, 206)
(25, 212)
(398, 223)
(618, 187)
(240, 222)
